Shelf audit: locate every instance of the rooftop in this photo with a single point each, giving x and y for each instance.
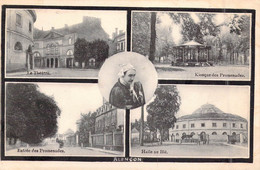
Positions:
(211, 112)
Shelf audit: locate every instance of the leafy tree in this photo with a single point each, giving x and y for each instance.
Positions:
(240, 25)
(31, 116)
(80, 50)
(86, 124)
(99, 50)
(161, 112)
(141, 32)
(190, 30)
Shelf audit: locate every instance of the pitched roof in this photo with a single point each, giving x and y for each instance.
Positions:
(90, 29)
(211, 112)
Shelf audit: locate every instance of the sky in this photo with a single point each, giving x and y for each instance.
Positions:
(72, 99)
(229, 99)
(110, 20)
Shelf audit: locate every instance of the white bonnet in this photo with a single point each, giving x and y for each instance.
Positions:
(124, 68)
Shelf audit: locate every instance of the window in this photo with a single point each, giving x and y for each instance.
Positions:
(224, 124)
(18, 46)
(241, 126)
(214, 124)
(224, 133)
(30, 26)
(202, 124)
(233, 125)
(19, 20)
(214, 133)
(177, 126)
(69, 40)
(184, 126)
(192, 125)
(177, 134)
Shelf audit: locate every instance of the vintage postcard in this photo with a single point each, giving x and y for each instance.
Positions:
(129, 84)
(54, 119)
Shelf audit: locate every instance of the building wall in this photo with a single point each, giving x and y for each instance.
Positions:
(208, 129)
(16, 59)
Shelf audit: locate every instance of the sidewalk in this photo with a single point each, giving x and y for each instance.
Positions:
(105, 151)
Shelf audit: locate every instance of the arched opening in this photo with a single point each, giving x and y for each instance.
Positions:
(52, 62)
(48, 62)
(177, 134)
(214, 133)
(18, 46)
(224, 133)
(234, 133)
(192, 133)
(56, 63)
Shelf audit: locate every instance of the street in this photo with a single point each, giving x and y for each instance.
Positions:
(54, 150)
(184, 150)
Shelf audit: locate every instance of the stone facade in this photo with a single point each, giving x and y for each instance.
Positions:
(19, 36)
(55, 48)
(209, 120)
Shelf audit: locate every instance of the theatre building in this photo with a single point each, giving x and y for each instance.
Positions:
(55, 48)
(19, 38)
(109, 128)
(210, 121)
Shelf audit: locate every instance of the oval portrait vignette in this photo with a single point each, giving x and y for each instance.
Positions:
(127, 80)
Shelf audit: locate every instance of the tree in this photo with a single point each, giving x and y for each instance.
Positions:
(161, 112)
(31, 116)
(80, 50)
(86, 124)
(153, 37)
(141, 32)
(240, 25)
(99, 50)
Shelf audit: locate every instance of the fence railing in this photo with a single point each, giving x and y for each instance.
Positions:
(110, 141)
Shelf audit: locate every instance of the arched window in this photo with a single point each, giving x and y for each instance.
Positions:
(192, 133)
(234, 133)
(224, 133)
(177, 134)
(70, 40)
(18, 46)
(69, 52)
(214, 133)
(36, 54)
(183, 134)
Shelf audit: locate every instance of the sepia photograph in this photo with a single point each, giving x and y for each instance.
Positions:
(55, 119)
(46, 43)
(127, 80)
(195, 45)
(193, 121)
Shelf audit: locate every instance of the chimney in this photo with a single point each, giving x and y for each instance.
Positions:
(116, 33)
(120, 32)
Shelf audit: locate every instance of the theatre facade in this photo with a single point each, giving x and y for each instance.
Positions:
(210, 121)
(19, 38)
(55, 48)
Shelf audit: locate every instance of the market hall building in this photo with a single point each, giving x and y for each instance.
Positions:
(210, 121)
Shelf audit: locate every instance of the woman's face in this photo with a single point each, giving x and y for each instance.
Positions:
(129, 76)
